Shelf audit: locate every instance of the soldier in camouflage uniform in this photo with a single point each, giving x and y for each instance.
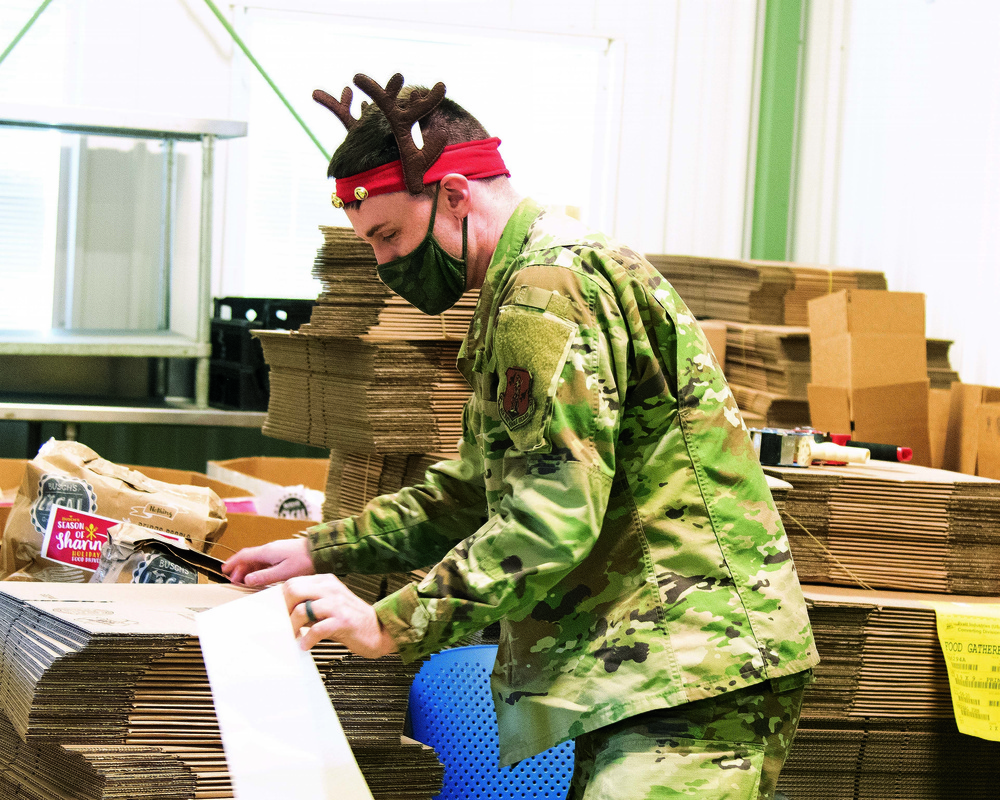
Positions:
(607, 506)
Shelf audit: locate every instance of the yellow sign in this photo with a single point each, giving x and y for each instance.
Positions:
(969, 635)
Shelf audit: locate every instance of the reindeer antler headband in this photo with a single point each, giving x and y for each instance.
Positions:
(416, 166)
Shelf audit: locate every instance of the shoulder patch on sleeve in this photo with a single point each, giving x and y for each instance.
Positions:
(531, 347)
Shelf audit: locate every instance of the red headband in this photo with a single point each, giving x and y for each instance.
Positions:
(474, 160)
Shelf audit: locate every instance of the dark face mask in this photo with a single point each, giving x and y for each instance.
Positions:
(428, 278)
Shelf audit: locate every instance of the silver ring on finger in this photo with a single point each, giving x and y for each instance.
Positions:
(310, 614)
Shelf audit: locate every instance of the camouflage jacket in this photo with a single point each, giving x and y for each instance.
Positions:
(607, 506)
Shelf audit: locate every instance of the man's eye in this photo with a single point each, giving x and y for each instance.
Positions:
(388, 237)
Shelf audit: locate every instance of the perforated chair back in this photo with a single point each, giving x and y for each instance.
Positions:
(451, 710)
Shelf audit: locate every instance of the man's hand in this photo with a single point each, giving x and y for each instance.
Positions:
(337, 614)
(270, 563)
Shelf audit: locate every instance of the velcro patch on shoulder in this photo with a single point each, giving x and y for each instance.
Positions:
(531, 348)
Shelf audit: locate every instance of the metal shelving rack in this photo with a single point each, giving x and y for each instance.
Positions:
(139, 343)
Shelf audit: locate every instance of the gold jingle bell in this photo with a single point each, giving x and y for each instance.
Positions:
(337, 202)
(360, 193)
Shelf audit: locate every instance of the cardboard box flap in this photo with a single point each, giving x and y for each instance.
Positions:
(189, 478)
(988, 455)
(257, 471)
(897, 415)
(251, 530)
(859, 360)
(867, 311)
(830, 408)
(940, 403)
(962, 441)
(282, 487)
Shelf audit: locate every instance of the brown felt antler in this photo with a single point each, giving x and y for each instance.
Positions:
(416, 160)
(342, 107)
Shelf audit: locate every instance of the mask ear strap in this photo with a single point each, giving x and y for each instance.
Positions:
(434, 207)
(465, 223)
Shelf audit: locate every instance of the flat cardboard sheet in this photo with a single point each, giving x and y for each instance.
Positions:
(988, 446)
(103, 688)
(894, 526)
(764, 292)
(364, 396)
(880, 654)
(281, 733)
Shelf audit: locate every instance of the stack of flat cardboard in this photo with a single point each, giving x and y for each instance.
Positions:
(869, 368)
(768, 358)
(767, 367)
(887, 759)
(765, 292)
(894, 526)
(104, 694)
(812, 281)
(878, 723)
(354, 480)
(363, 396)
(354, 302)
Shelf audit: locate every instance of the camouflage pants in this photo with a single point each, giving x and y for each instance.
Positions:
(730, 747)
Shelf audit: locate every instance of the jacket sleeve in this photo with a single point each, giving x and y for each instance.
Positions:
(412, 528)
(548, 441)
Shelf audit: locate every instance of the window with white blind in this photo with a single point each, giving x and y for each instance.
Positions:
(33, 73)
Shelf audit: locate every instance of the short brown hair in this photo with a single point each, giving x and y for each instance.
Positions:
(371, 143)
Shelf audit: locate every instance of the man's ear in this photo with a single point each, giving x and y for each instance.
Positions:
(457, 194)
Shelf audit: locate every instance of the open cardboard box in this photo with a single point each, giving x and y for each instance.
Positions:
(940, 405)
(988, 455)
(897, 415)
(283, 487)
(862, 338)
(965, 420)
(264, 472)
(11, 474)
(242, 530)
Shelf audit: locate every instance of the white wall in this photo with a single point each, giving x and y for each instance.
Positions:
(671, 141)
(900, 165)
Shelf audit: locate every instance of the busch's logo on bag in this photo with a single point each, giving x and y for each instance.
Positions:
(60, 490)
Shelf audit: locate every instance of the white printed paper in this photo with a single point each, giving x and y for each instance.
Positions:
(279, 729)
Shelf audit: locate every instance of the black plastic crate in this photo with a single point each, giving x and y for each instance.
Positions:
(233, 342)
(238, 388)
(272, 313)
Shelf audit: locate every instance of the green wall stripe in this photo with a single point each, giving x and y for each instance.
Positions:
(779, 92)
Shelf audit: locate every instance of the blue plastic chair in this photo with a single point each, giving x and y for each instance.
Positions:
(451, 709)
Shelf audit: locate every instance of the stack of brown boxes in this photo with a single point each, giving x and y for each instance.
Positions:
(869, 368)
